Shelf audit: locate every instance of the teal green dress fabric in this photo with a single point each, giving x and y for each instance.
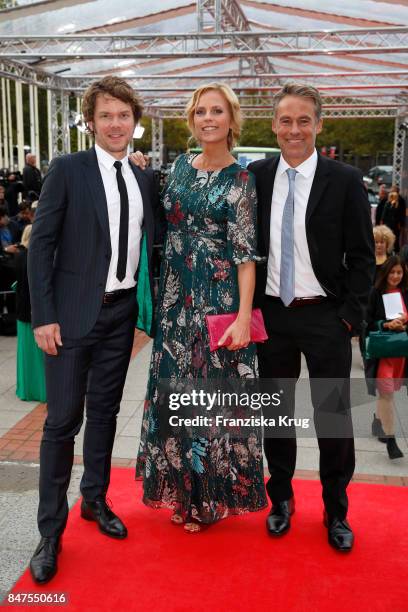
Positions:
(143, 292)
(211, 230)
(30, 366)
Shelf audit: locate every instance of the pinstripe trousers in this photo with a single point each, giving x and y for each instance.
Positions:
(92, 371)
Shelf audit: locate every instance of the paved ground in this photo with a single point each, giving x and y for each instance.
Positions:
(20, 433)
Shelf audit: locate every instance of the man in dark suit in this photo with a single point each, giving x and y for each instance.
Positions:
(316, 234)
(13, 189)
(89, 271)
(32, 180)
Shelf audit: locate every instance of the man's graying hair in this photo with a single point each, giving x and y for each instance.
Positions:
(303, 91)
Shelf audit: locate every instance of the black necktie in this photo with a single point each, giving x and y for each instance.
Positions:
(124, 223)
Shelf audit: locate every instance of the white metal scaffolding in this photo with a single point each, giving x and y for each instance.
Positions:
(157, 142)
(19, 124)
(223, 32)
(34, 123)
(61, 141)
(5, 126)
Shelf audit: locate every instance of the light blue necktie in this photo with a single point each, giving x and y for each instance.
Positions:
(287, 266)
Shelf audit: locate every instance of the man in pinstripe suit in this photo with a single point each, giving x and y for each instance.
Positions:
(90, 251)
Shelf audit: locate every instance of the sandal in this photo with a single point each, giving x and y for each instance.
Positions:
(176, 519)
(193, 526)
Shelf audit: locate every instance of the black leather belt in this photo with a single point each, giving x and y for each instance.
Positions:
(305, 301)
(113, 296)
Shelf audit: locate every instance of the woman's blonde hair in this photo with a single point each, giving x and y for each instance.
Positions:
(25, 238)
(383, 232)
(233, 104)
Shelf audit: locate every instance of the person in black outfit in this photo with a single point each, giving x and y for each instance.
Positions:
(3, 201)
(384, 240)
(404, 255)
(23, 304)
(9, 238)
(32, 180)
(312, 291)
(86, 260)
(13, 188)
(391, 211)
(24, 217)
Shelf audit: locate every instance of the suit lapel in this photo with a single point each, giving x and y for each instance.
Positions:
(267, 182)
(321, 178)
(94, 180)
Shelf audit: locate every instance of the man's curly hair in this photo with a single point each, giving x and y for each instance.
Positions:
(111, 86)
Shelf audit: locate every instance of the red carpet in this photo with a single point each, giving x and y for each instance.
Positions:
(235, 565)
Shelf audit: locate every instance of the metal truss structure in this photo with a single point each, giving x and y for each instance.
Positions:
(157, 142)
(357, 80)
(223, 33)
(59, 122)
(228, 16)
(266, 113)
(400, 152)
(26, 73)
(367, 41)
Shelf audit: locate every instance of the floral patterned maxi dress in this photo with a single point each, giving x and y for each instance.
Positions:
(211, 229)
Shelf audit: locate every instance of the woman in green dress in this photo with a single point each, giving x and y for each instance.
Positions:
(208, 268)
(30, 359)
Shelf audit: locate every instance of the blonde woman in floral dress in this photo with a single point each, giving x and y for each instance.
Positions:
(208, 268)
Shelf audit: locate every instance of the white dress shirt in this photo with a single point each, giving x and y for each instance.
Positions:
(108, 172)
(306, 283)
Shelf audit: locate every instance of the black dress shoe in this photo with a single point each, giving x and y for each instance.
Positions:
(340, 534)
(43, 564)
(278, 521)
(108, 522)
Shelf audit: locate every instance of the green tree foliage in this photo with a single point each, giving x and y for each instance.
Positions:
(258, 133)
(145, 143)
(175, 135)
(359, 136)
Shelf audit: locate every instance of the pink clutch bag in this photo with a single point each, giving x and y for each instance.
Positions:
(217, 324)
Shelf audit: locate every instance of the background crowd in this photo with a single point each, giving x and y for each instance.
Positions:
(387, 375)
(19, 193)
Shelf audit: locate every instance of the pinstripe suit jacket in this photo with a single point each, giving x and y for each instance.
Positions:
(70, 250)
